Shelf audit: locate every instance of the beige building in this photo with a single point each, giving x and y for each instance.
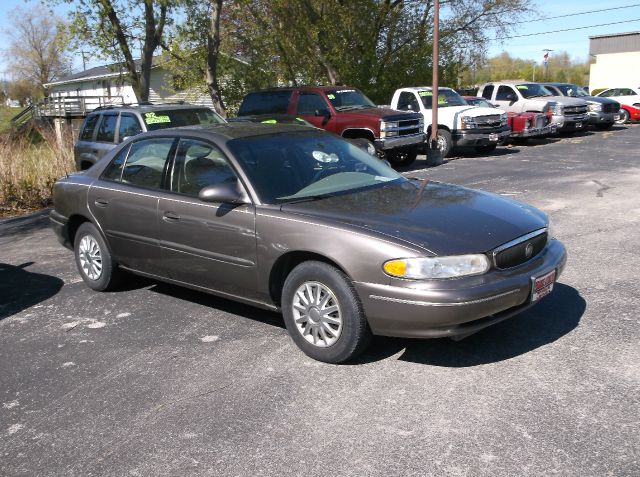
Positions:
(617, 61)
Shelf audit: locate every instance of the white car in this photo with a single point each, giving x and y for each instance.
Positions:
(628, 96)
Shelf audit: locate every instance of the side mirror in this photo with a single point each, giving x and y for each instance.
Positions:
(324, 113)
(226, 193)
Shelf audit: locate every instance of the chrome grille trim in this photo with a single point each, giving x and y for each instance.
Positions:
(515, 242)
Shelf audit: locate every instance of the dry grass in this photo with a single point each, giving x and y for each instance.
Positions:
(29, 165)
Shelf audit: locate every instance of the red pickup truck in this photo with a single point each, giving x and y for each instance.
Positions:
(347, 112)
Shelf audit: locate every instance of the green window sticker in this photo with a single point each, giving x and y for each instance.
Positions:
(331, 96)
(151, 118)
(269, 121)
(442, 99)
(522, 86)
(425, 93)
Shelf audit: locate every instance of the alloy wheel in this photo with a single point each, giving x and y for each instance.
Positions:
(317, 314)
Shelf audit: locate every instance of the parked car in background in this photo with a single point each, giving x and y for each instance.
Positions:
(569, 114)
(459, 124)
(603, 112)
(362, 143)
(345, 111)
(297, 220)
(629, 99)
(523, 125)
(108, 126)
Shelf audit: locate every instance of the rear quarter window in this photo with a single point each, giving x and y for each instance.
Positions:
(88, 127)
(265, 103)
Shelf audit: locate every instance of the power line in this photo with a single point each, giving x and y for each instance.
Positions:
(579, 13)
(563, 30)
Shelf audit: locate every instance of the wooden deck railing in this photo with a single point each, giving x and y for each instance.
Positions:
(65, 106)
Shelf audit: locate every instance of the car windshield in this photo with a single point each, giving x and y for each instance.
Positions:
(446, 97)
(172, 118)
(345, 99)
(533, 90)
(307, 165)
(571, 90)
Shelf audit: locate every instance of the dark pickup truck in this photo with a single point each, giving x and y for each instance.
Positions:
(345, 111)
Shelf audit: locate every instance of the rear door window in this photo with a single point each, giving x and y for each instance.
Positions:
(107, 128)
(407, 101)
(88, 127)
(147, 162)
(269, 102)
(129, 126)
(487, 92)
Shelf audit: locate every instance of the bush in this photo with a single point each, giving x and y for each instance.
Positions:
(29, 166)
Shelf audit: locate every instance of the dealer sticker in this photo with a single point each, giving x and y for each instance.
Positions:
(151, 118)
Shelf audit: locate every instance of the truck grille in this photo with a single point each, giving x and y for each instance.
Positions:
(573, 110)
(515, 253)
(492, 121)
(610, 108)
(412, 127)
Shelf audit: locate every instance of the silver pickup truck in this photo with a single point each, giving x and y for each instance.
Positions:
(569, 114)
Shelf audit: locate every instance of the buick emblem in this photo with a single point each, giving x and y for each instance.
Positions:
(528, 250)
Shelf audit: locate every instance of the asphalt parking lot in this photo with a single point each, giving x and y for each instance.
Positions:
(157, 380)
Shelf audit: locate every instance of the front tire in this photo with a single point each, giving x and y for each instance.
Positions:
(624, 117)
(93, 259)
(323, 313)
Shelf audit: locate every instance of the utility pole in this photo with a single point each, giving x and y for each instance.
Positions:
(546, 63)
(434, 85)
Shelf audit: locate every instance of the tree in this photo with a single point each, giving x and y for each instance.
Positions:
(115, 28)
(37, 51)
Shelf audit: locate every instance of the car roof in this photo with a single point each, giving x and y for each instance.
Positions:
(303, 88)
(232, 130)
(143, 108)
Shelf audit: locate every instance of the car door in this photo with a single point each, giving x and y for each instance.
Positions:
(209, 245)
(504, 98)
(314, 108)
(124, 201)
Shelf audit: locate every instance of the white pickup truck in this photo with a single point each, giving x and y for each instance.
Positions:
(459, 124)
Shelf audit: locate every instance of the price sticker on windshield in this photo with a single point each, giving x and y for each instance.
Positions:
(425, 93)
(151, 118)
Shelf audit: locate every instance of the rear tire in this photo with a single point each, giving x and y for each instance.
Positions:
(323, 314)
(93, 259)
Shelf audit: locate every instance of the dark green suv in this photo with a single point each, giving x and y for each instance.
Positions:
(106, 127)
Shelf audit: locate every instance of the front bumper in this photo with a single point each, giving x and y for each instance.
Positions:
(534, 132)
(398, 142)
(576, 122)
(480, 137)
(433, 309)
(599, 117)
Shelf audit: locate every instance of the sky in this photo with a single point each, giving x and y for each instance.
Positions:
(575, 42)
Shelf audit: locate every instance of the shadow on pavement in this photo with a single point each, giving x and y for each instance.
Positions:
(20, 289)
(222, 304)
(25, 224)
(548, 321)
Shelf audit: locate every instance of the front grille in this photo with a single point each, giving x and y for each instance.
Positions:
(573, 110)
(492, 121)
(610, 108)
(412, 127)
(516, 254)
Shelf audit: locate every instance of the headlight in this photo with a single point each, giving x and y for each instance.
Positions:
(388, 125)
(595, 107)
(468, 122)
(437, 267)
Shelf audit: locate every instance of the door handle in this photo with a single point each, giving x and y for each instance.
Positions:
(170, 217)
(101, 202)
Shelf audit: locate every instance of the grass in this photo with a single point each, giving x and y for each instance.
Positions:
(29, 166)
(6, 113)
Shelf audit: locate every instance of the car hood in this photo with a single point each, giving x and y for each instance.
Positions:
(566, 100)
(382, 113)
(441, 218)
(468, 110)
